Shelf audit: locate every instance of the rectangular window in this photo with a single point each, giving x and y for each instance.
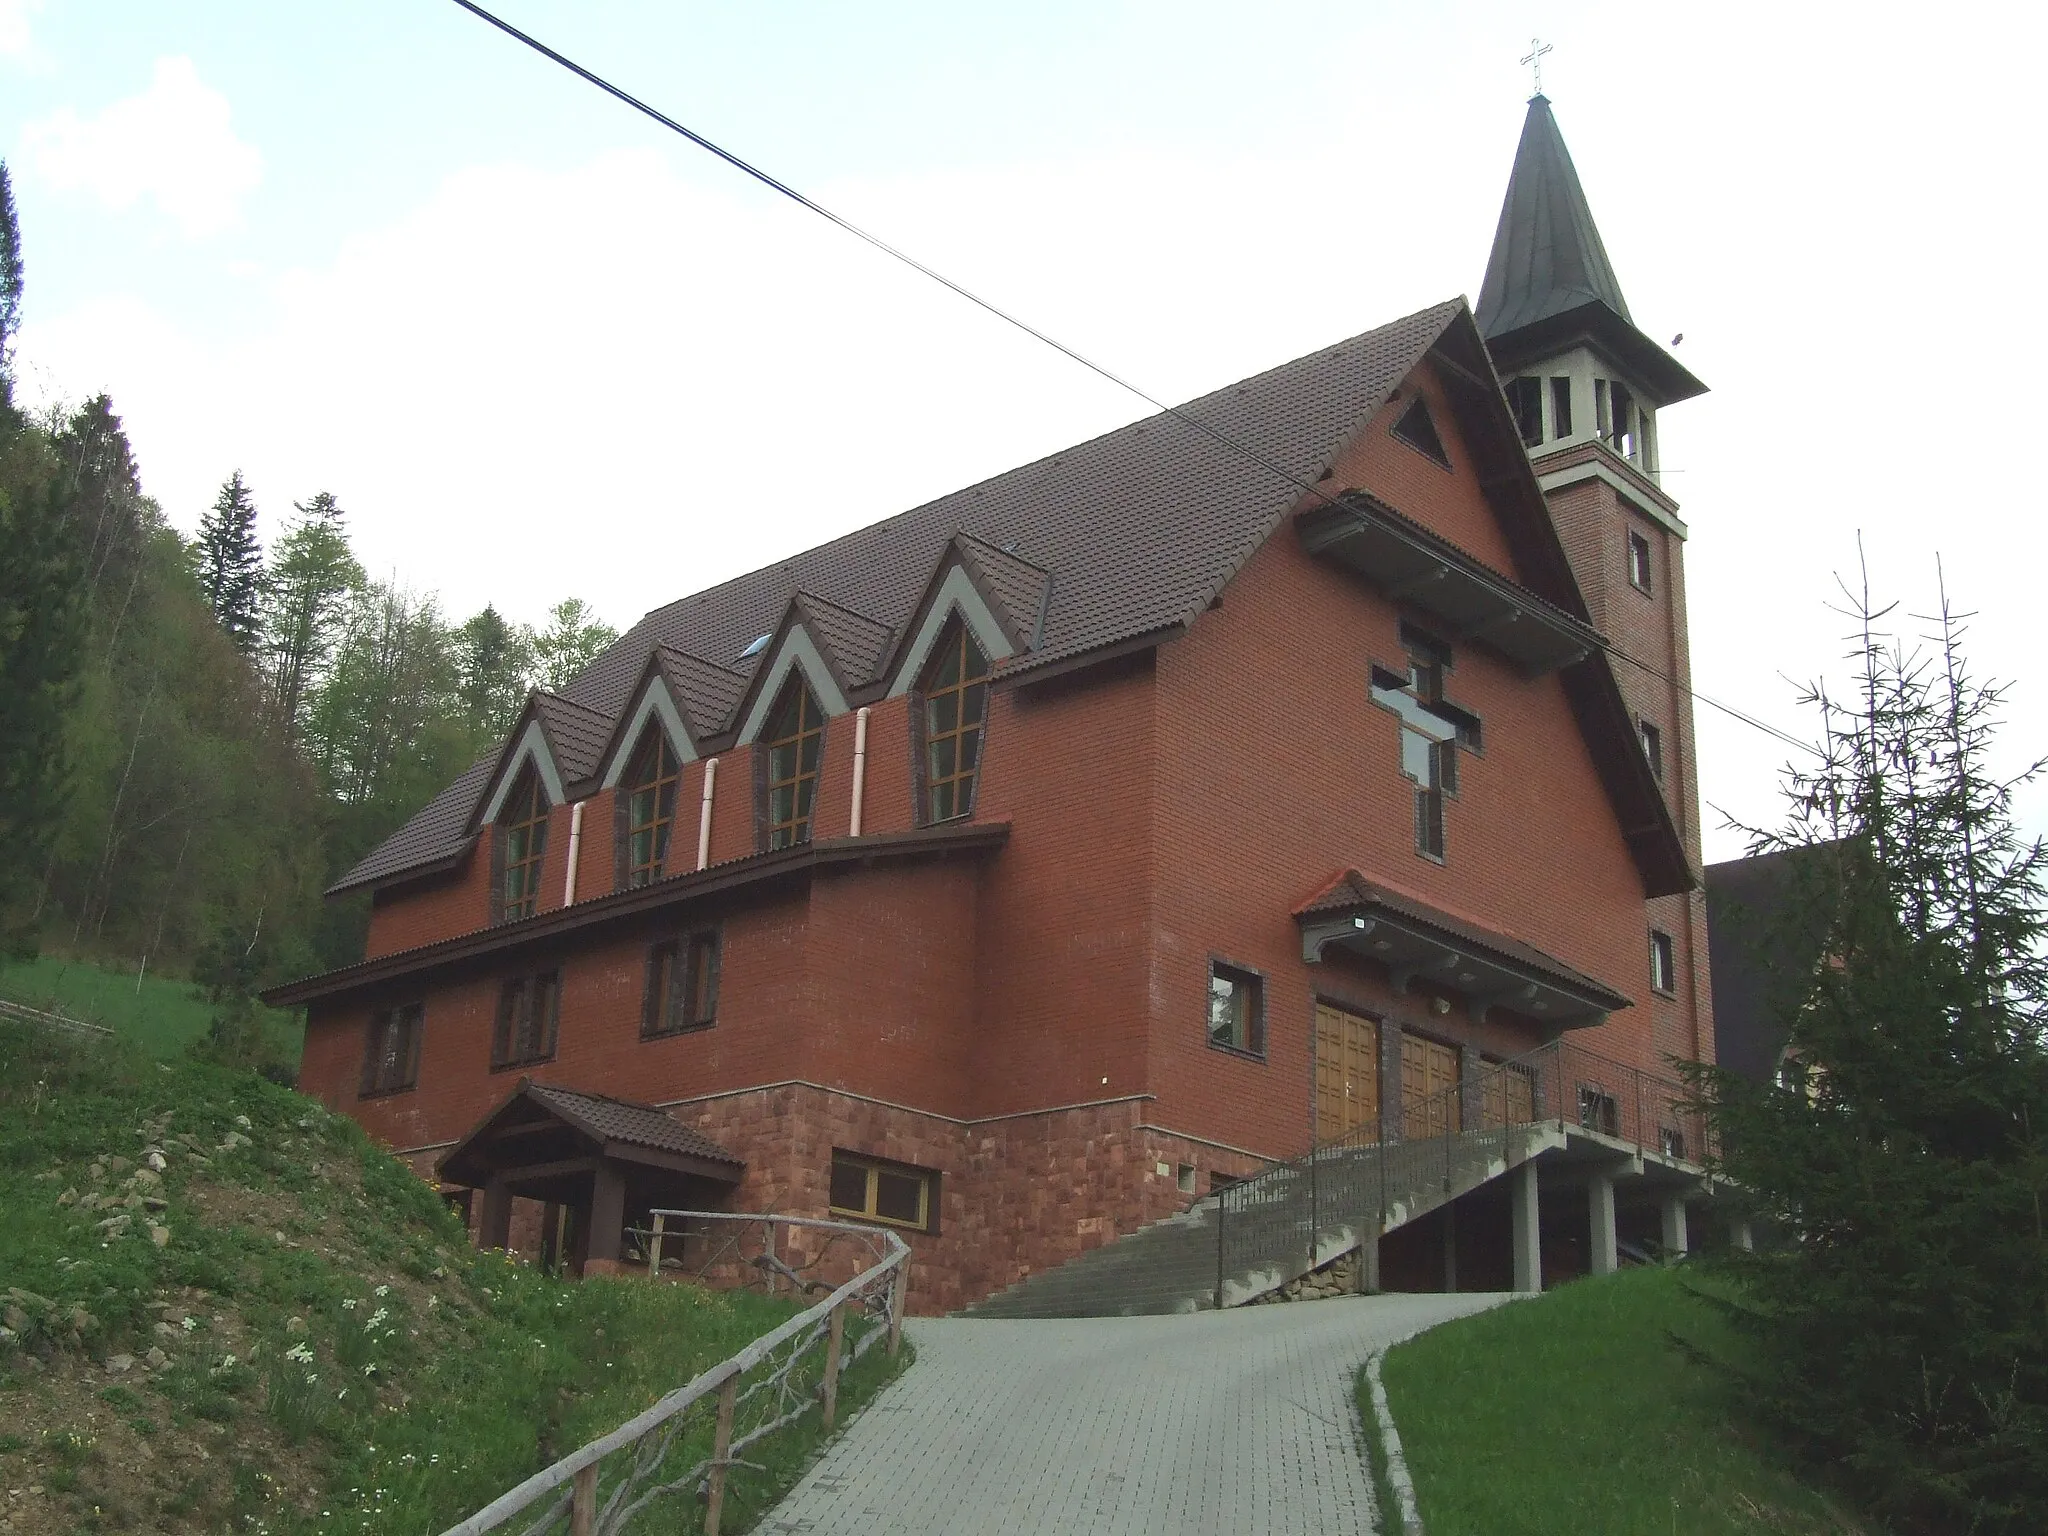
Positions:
(1653, 747)
(1663, 963)
(1429, 813)
(1525, 400)
(1673, 1141)
(529, 1010)
(895, 1193)
(1598, 1110)
(1602, 417)
(1237, 1009)
(1623, 407)
(1639, 562)
(391, 1055)
(1560, 407)
(681, 991)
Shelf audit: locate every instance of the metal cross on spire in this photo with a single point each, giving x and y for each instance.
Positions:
(1534, 59)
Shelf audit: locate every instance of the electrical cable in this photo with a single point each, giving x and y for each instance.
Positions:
(1244, 451)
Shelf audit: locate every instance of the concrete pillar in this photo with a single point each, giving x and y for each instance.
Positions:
(1451, 1247)
(1600, 1198)
(1369, 1263)
(1522, 1194)
(1674, 1224)
(494, 1225)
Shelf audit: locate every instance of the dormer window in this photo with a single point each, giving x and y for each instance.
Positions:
(955, 690)
(650, 808)
(790, 748)
(523, 844)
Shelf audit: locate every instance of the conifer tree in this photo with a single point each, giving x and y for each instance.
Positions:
(10, 284)
(1902, 1159)
(312, 575)
(495, 668)
(230, 563)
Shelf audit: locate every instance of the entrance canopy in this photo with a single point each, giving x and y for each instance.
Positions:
(1417, 942)
(599, 1158)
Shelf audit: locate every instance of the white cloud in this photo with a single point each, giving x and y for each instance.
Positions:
(14, 37)
(172, 145)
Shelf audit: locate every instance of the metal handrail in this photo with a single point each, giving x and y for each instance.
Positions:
(579, 1466)
(1562, 1082)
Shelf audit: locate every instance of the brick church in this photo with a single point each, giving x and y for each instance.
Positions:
(1018, 868)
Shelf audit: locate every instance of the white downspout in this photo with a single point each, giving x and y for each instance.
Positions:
(575, 846)
(704, 814)
(860, 767)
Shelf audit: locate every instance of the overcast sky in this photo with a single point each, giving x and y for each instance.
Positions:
(538, 346)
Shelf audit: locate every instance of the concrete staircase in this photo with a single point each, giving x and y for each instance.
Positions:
(1258, 1236)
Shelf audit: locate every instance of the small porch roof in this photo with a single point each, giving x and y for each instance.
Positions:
(541, 1130)
(1416, 941)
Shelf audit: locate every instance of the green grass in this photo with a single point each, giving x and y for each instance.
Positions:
(1575, 1412)
(339, 1357)
(162, 1016)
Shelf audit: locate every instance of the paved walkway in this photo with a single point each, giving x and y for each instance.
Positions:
(1241, 1422)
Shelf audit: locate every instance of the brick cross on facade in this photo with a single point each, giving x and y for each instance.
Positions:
(1432, 730)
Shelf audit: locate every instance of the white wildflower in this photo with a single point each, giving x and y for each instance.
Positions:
(348, 1303)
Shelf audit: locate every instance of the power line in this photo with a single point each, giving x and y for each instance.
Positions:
(747, 168)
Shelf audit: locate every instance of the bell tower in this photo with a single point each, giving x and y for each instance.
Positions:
(1585, 387)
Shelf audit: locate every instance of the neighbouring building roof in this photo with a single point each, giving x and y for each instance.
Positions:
(1756, 948)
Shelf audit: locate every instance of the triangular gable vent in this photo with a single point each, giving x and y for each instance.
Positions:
(1417, 428)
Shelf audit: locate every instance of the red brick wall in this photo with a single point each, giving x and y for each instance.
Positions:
(425, 911)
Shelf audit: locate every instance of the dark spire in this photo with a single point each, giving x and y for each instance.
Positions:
(1549, 282)
(1547, 256)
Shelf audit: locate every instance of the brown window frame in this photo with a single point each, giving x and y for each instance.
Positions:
(527, 1026)
(1663, 963)
(1251, 1024)
(648, 778)
(680, 993)
(950, 796)
(525, 813)
(391, 1051)
(874, 1168)
(796, 721)
(1640, 575)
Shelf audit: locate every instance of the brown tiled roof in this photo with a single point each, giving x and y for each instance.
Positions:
(640, 1125)
(853, 643)
(576, 731)
(1352, 892)
(1125, 536)
(704, 691)
(1016, 583)
(437, 833)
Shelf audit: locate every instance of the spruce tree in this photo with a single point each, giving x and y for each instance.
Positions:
(1902, 1159)
(312, 575)
(494, 662)
(10, 284)
(230, 563)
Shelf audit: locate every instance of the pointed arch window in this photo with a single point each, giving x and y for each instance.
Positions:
(651, 782)
(523, 844)
(955, 691)
(790, 748)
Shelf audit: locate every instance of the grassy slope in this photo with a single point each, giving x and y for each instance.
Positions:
(437, 1376)
(1575, 1412)
(162, 1015)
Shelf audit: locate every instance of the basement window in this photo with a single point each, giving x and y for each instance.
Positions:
(1598, 1110)
(391, 1055)
(896, 1194)
(1237, 1009)
(1417, 428)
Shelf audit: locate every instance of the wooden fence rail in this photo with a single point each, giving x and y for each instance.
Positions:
(583, 1496)
(21, 1013)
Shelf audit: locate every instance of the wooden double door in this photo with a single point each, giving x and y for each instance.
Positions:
(1347, 1076)
(1348, 1083)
